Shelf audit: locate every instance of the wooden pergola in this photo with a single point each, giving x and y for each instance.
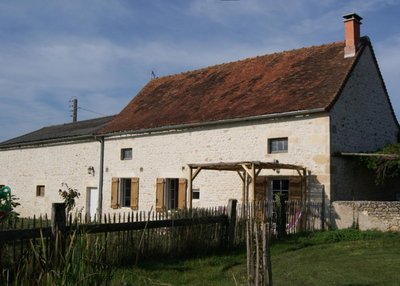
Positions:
(247, 171)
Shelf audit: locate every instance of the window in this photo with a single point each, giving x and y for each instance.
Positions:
(196, 194)
(291, 188)
(125, 193)
(278, 145)
(40, 191)
(280, 187)
(126, 154)
(170, 193)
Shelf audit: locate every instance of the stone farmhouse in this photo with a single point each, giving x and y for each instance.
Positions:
(290, 121)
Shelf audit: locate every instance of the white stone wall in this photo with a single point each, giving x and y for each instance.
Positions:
(167, 154)
(361, 121)
(24, 169)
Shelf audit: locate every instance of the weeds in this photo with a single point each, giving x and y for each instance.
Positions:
(80, 263)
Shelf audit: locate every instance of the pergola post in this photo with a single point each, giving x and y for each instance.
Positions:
(190, 184)
(190, 188)
(253, 183)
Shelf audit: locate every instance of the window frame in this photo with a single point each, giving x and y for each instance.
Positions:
(286, 192)
(196, 190)
(119, 199)
(40, 190)
(171, 193)
(278, 139)
(123, 154)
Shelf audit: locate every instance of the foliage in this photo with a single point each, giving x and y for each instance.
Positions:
(280, 214)
(385, 166)
(81, 263)
(69, 195)
(8, 203)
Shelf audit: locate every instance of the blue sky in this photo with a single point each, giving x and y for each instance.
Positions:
(103, 51)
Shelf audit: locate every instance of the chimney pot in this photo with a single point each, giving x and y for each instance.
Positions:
(352, 24)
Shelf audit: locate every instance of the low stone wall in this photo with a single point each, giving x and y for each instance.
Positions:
(380, 215)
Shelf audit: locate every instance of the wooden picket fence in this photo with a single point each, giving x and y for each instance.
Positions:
(125, 238)
(267, 220)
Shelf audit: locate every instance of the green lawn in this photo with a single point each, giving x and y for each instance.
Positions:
(347, 257)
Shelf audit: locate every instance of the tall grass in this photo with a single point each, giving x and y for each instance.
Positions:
(80, 262)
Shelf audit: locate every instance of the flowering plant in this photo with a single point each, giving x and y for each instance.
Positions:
(69, 195)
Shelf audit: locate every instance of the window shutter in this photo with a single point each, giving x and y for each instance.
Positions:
(160, 194)
(261, 192)
(182, 193)
(134, 193)
(295, 189)
(114, 193)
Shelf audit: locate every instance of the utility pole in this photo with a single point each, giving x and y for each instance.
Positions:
(75, 110)
(73, 105)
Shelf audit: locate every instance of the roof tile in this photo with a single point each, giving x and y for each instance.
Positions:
(301, 79)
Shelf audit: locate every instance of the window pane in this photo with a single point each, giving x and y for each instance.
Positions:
(125, 192)
(276, 185)
(126, 154)
(171, 195)
(285, 185)
(280, 185)
(40, 191)
(278, 145)
(196, 194)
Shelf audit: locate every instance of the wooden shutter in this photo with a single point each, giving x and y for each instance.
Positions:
(182, 193)
(160, 194)
(134, 193)
(295, 189)
(261, 190)
(114, 192)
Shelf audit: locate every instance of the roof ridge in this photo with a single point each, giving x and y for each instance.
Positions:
(244, 60)
(300, 79)
(77, 122)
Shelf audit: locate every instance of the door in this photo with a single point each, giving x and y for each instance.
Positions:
(92, 201)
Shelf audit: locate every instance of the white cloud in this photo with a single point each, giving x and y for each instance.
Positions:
(77, 48)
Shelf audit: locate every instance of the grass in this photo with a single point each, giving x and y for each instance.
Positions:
(345, 257)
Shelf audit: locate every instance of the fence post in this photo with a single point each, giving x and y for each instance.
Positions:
(323, 208)
(58, 225)
(231, 222)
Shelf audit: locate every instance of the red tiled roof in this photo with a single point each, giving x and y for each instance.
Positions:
(302, 79)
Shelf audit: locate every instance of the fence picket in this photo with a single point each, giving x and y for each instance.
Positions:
(170, 233)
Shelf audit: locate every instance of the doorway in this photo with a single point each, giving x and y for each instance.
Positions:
(92, 198)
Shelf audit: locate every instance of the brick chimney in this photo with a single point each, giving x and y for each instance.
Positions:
(352, 24)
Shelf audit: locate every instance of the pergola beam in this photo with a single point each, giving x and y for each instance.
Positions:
(198, 169)
(190, 183)
(250, 168)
